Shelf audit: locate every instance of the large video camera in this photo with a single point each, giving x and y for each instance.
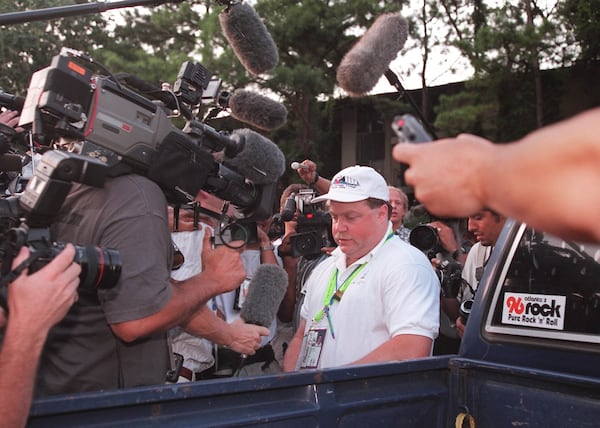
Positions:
(313, 225)
(97, 116)
(36, 208)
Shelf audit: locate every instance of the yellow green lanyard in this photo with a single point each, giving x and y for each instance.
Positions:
(332, 295)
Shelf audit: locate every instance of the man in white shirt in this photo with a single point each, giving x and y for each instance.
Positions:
(376, 298)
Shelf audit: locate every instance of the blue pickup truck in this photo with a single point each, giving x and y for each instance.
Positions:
(530, 357)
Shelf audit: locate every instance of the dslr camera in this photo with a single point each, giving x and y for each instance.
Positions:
(38, 206)
(427, 239)
(313, 227)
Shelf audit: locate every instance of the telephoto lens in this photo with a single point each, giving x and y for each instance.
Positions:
(100, 267)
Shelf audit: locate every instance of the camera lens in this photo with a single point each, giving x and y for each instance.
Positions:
(100, 267)
(306, 244)
(465, 309)
(424, 237)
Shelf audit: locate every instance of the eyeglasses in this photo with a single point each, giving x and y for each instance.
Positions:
(178, 259)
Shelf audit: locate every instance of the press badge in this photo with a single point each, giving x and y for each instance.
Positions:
(312, 346)
(240, 294)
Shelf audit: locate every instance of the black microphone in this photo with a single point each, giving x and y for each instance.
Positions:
(260, 161)
(11, 102)
(265, 293)
(249, 38)
(369, 59)
(257, 110)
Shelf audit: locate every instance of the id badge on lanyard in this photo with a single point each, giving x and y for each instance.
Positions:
(312, 347)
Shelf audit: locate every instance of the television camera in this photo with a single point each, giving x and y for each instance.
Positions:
(313, 225)
(101, 117)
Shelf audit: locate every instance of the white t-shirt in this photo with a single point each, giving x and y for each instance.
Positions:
(478, 254)
(397, 292)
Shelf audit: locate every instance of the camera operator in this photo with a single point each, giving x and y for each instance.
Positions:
(298, 268)
(116, 338)
(35, 303)
(486, 226)
(235, 335)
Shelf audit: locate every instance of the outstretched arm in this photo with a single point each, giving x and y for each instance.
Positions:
(35, 302)
(547, 179)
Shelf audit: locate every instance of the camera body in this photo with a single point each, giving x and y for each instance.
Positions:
(427, 239)
(40, 202)
(99, 117)
(313, 225)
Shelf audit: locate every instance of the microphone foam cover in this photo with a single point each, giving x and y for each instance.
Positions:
(260, 161)
(249, 38)
(257, 110)
(362, 67)
(265, 293)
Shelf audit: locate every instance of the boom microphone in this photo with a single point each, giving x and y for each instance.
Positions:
(260, 161)
(257, 110)
(249, 38)
(265, 293)
(369, 59)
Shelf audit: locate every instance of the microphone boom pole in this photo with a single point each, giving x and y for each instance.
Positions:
(74, 10)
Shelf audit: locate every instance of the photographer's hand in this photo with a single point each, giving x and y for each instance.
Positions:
(10, 118)
(460, 327)
(43, 298)
(36, 302)
(222, 264)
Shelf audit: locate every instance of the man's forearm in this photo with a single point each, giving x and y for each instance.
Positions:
(187, 298)
(19, 359)
(399, 348)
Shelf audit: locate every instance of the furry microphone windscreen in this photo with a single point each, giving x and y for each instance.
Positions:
(362, 67)
(257, 110)
(265, 293)
(249, 38)
(260, 161)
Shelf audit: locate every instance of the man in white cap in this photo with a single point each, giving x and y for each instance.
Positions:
(376, 298)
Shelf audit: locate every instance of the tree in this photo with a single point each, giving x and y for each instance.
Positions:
(25, 48)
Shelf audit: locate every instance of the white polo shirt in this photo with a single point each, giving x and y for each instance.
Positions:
(397, 292)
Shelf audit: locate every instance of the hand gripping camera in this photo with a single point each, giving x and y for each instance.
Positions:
(40, 203)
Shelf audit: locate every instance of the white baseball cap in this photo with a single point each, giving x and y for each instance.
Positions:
(356, 183)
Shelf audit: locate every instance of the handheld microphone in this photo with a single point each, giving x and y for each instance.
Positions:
(265, 293)
(369, 59)
(11, 102)
(298, 165)
(260, 161)
(249, 38)
(257, 110)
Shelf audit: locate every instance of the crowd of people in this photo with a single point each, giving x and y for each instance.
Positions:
(373, 297)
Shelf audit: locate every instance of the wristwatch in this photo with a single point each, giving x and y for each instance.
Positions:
(460, 251)
(269, 247)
